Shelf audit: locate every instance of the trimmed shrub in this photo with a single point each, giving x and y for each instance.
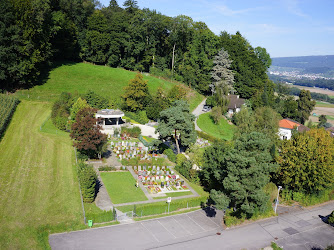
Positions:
(170, 154)
(107, 168)
(162, 207)
(87, 179)
(103, 216)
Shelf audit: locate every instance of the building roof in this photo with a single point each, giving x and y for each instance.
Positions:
(291, 124)
(109, 113)
(235, 102)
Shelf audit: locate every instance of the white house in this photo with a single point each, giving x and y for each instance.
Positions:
(286, 126)
(235, 104)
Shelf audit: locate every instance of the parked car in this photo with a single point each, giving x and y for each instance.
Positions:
(206, 108)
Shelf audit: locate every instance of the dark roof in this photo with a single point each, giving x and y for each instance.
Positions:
(235, 102)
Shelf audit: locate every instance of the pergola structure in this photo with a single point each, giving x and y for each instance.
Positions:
(109, 118)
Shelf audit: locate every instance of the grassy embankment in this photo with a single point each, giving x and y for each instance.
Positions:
(223, 130)
(106, 81)
(39, 187)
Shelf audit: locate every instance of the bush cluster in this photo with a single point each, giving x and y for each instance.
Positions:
(308, 199)
(87, 179)
(170, 154)
(131, 132)
(61, 109)
(139, 116)
(185, 169)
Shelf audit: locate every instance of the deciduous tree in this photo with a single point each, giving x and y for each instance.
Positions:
(136, 93)
(86, 133)
(307, 161)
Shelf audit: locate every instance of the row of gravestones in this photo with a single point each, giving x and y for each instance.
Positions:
(153, 168)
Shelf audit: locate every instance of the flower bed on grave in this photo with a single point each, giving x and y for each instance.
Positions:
(127, 150)
(159, 179)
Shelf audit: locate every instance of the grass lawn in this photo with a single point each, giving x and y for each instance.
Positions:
(39, 187)
(176, 194)
(121, 187)
(223, 130)
(107, 81)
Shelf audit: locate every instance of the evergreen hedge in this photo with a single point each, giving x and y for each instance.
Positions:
(87, 178)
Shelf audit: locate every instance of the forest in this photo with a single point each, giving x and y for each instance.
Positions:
(36, 33)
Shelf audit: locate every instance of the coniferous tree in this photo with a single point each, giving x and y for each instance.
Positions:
(177, 122)
(241, 173)
(305, 105)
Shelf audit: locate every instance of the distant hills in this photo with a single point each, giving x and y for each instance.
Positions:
(305, 64)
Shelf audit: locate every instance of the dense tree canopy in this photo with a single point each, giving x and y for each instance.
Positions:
(307, 161)
(236, 175)
(35, 32)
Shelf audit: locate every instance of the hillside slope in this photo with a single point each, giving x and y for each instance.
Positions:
(106, 81)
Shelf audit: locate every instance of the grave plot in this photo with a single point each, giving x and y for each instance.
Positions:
(121, 187)
(160, 180)
(131, 149)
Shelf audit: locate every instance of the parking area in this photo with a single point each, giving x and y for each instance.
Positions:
(140, 235)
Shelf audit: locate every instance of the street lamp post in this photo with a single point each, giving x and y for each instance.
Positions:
(279, 188)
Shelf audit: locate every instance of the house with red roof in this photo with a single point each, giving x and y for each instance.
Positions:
(286, 126)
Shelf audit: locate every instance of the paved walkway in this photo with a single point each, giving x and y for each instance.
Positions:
(197, 112)
(303, 229)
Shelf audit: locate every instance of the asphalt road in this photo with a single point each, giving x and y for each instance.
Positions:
(303, 229)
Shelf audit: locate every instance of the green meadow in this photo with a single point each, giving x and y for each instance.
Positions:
(39, 187)
(223, 130)
(106, 81)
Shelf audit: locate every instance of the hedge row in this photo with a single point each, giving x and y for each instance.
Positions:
(206, 136)
(87, 178)
(162, 207)
(103, 216)
(7, 107)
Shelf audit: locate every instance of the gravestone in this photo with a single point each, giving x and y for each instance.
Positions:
(162, 184)
(153, 167)
(135, 167)
(177, 176)
(158, 168)
(139, 168)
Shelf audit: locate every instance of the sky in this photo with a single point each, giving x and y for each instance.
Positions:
(284, 27)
